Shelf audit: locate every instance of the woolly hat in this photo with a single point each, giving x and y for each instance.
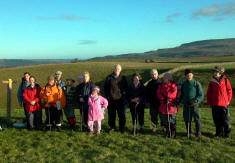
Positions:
(96, 88)
(58, 73)
(219, 69)
(187, 71)
(71, 79)
(80, 77)
(51, 77)
(168, 76)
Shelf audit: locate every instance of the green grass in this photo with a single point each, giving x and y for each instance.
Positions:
(21, 145)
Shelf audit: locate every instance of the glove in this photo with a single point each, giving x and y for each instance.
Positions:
(165, 100)
(192, 102)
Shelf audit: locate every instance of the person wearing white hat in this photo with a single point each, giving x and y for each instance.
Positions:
(58, 79)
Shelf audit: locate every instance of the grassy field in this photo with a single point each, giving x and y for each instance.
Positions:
(20, 145)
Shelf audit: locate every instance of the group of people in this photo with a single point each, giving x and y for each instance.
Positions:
(162, 97)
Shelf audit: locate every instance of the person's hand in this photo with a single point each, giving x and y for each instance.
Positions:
(33, 102)
(82, 99)
(165, 100)
(192, 102)
(137, 100)
(48, 94)
(21, 104)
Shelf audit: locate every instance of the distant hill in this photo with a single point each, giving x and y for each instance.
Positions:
(28, 62)
(218, 47)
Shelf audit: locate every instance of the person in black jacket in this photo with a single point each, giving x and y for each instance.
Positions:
(151, 98)
(136, 94)
(115, 89)
(83, 92)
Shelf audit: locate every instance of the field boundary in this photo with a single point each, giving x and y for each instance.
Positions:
(172, 71)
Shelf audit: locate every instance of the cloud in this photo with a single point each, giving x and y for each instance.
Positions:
(219, 11)
(169, 18)
(87, 42)
(62, 17)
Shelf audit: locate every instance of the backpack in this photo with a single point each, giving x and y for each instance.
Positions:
(180, 88)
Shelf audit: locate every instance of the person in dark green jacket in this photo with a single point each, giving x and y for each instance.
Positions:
(192, 95)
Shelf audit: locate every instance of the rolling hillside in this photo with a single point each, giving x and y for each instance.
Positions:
(219, 47)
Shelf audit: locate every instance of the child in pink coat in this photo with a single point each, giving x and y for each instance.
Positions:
(97, 104)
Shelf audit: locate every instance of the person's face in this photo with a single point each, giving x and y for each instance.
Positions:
(217, 74)
(154, 75)
(94, 92)
(80, 81)
(189, 76)
(32, 81)
(86, 78)
(51, 82)
(136, 79)
(165, 80)
(117, 70)
(58, 76)
(69, 83)
(26, 77)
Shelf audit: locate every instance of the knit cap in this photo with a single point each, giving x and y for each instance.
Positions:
(219, 69)
(96, 88)
(51, 77)
(168, 76)
(187, 71)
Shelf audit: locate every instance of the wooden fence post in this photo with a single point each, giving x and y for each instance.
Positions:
(9, 88)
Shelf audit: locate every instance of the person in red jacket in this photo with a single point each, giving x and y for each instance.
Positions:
(33, 107)
(167, 94)
(219, 95)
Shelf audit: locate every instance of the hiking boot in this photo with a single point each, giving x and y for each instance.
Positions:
(173, 134)
(111, 130)
(91, 133)
(154, 129)
(198, 130)
(58, 128)
(122, 130)
(142, 130)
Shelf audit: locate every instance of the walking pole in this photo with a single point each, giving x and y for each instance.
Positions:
(49, 117)
(135, 123)
(81, 116)
(188, 122)
(169, 125)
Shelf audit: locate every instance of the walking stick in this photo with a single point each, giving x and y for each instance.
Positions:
(188, 123)
(135, 122)
(49, 118)
(169, 125)
(81, 116)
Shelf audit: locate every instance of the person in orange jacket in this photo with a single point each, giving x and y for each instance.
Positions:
(54, 99)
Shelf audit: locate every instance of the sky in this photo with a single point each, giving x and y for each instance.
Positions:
(67, 29)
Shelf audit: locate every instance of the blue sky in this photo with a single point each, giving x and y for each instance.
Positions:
(83, 29)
